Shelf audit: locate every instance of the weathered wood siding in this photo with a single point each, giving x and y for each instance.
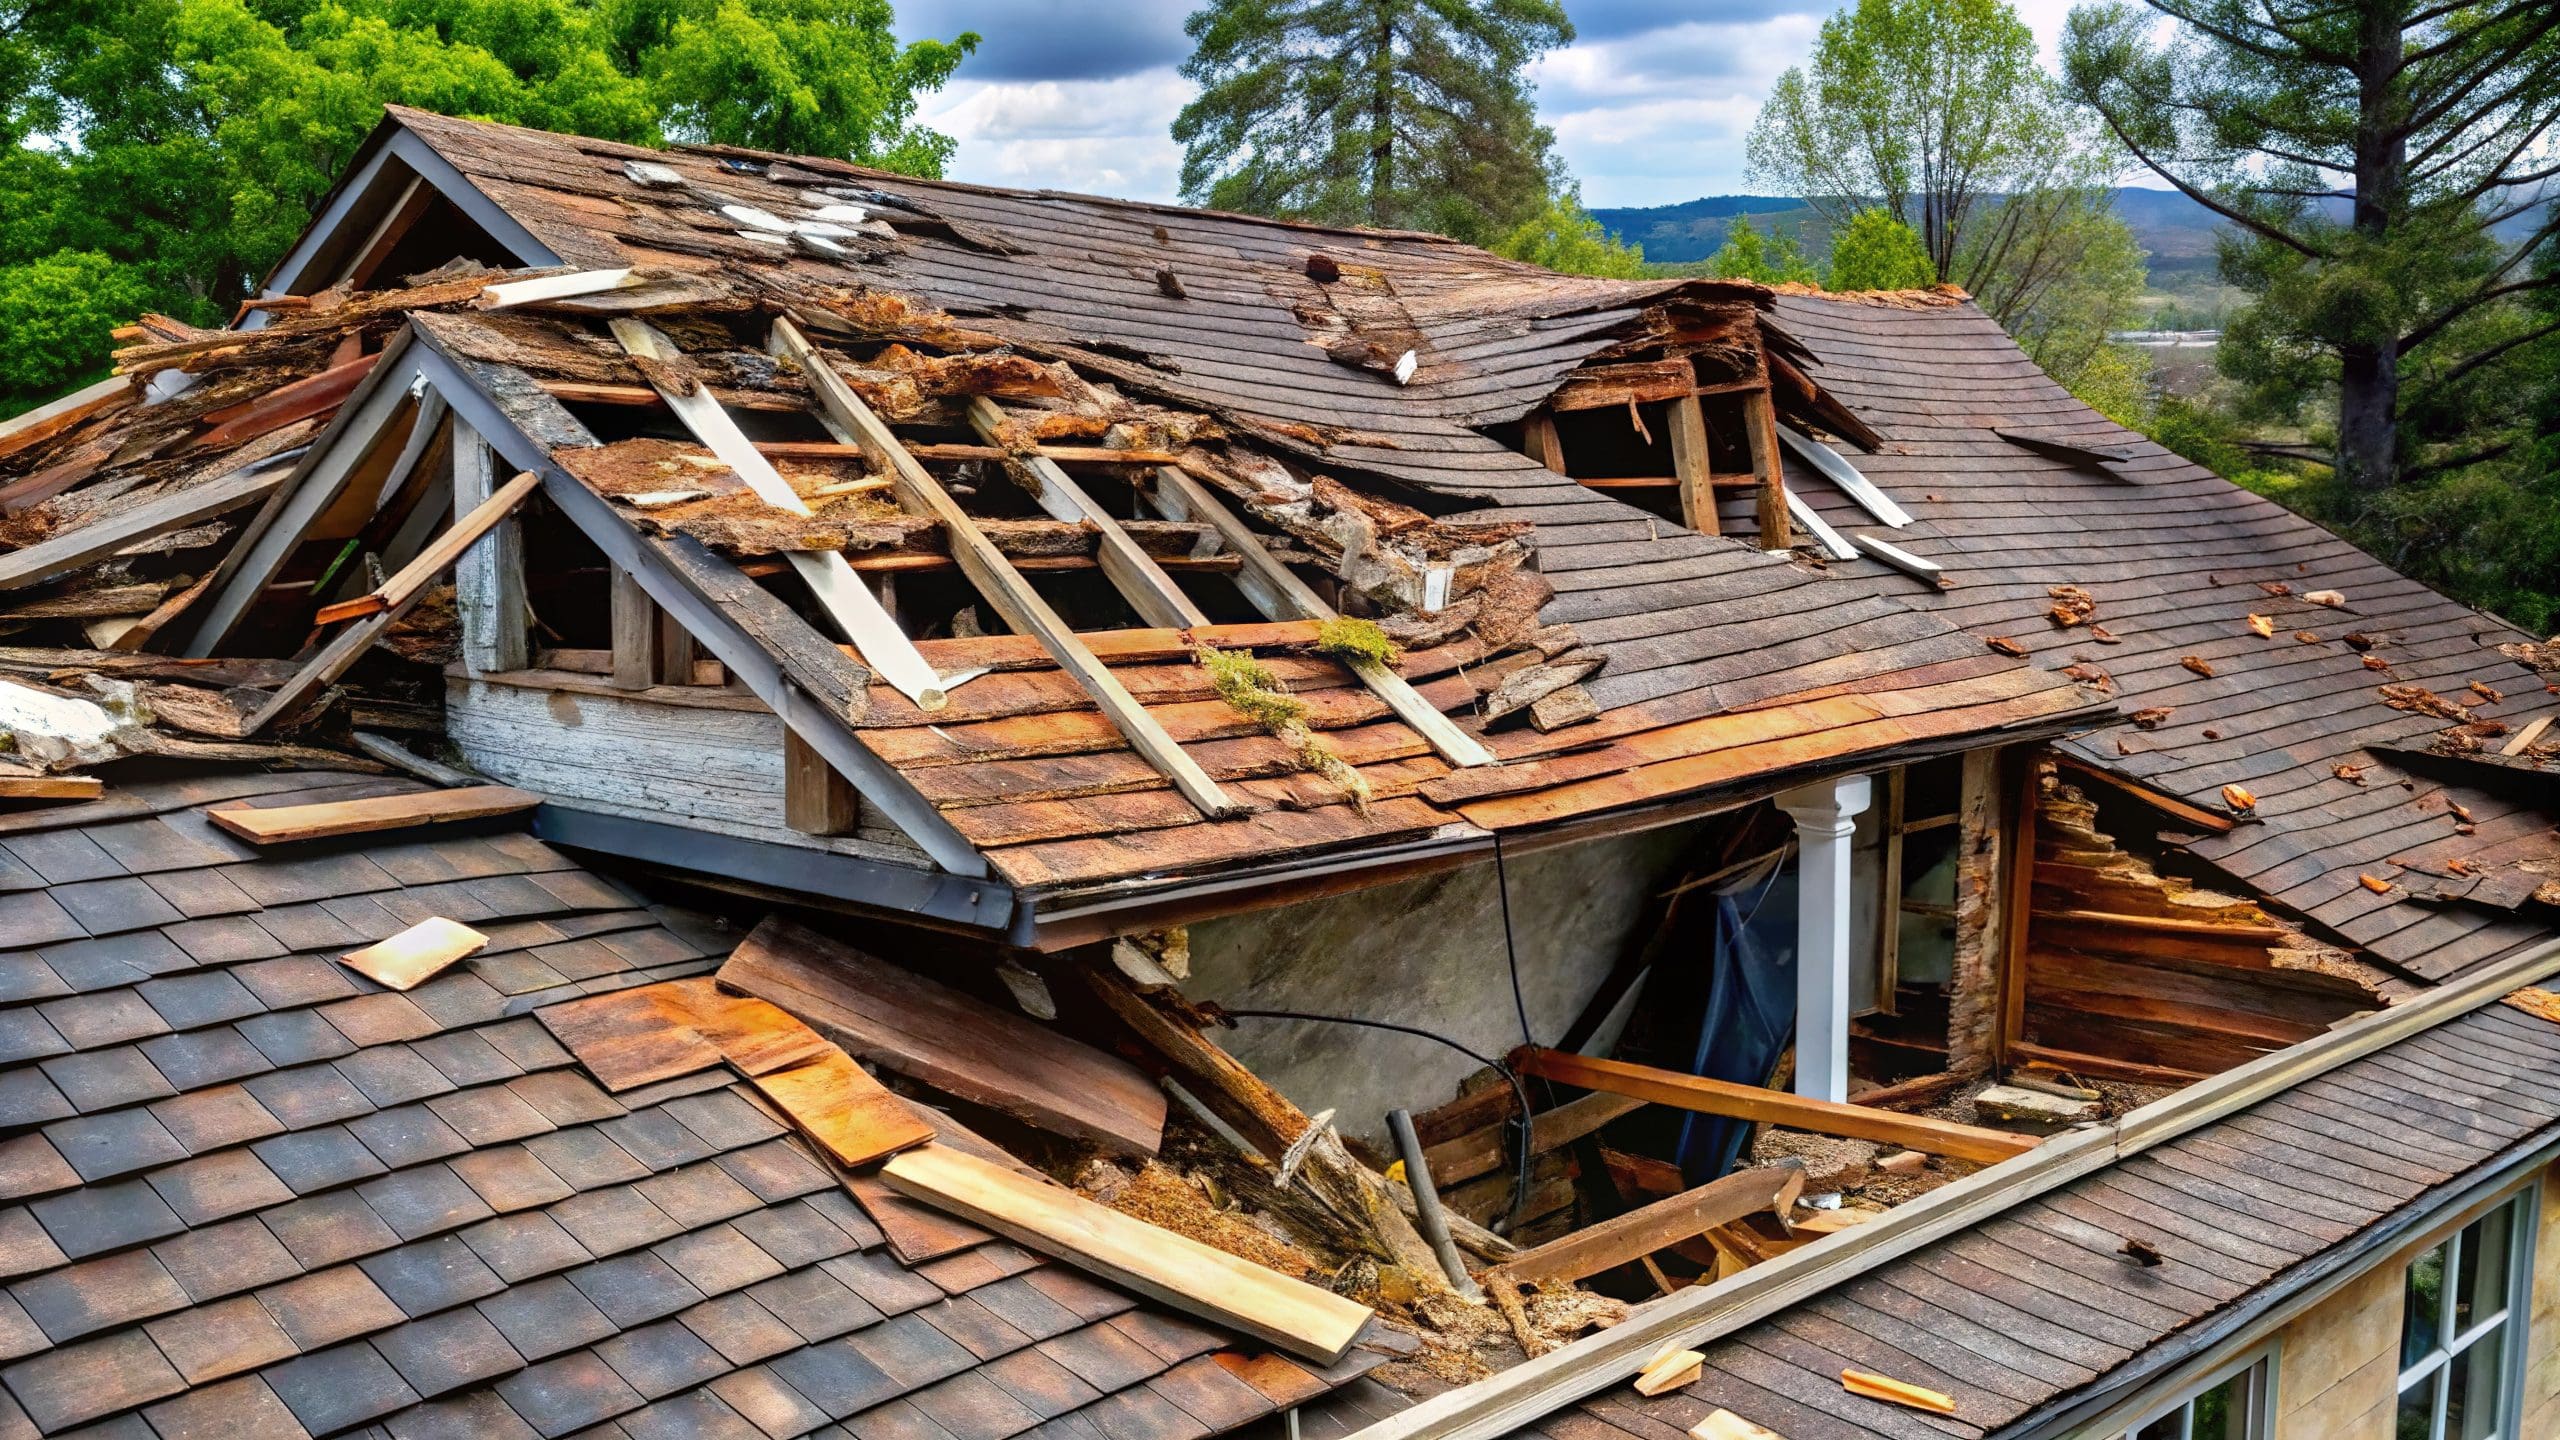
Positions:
(710, 766)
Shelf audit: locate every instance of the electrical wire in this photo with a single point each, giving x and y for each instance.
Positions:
(1519, 1091)
(1528, 1037)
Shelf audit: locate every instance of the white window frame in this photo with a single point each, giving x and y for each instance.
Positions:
(2257, 1399)
(2506, 1328)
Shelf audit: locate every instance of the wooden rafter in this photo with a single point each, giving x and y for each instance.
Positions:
(994, 575)
(1750, 1102)
(1760, 426)
(1281, 595)
(866, 623)
(1689, 460)
(1134, 573)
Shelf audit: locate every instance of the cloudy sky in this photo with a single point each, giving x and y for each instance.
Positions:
(1650, 104)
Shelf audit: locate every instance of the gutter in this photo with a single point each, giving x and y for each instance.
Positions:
(1520, 1397)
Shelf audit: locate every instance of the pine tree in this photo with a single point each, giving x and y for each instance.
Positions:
(1396, 113)
(2385, 166)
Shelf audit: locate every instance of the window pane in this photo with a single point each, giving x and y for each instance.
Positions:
(2475, 1403)
(2418, 1410)
(1929, 866)
(2220, 1413)
(1927, 953)
(2481, 1288)
(2457, 1389)
(2422, 1317)
(2164, 1428)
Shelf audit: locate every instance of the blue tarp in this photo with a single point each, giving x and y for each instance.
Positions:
(1750, 1014)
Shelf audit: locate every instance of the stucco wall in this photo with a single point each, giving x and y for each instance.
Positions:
(1425, 952)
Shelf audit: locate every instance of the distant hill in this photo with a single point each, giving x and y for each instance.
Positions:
(2170, 226)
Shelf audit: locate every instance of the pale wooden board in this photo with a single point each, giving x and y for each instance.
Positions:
(1174, 1269)
(51, 787)
(851, 1116)
(286, 823)
(415, 954)
(948, 1040)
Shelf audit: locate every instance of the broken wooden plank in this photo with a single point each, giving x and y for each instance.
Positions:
(1281, 595)
(556, 287)
(1725, 1425)
(1626, 382)
(285, 824)
(961, 450)
(1750, 1102)
(630, 1038)
(101, 538)
(1896, 1392)
(443, 551)
(1670, 1370)
(52, 418)
(416, 954)
(1481, 1152)
(1624, 1239)
(850, 1115)
(1164, 1266)
(1131, 570)
(2523, 739)
(995, 577)
(948, 1040)
(51, 787)
(841, 593)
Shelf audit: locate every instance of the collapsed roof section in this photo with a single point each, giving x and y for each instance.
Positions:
(768, 451)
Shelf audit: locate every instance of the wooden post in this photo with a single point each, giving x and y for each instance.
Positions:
(1760, 424)
(1539, 441)
(815, 799)
(1689, 461)
(2019, 874)
(649, 646)
(488, 582)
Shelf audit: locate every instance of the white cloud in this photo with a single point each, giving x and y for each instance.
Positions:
(1101, 137)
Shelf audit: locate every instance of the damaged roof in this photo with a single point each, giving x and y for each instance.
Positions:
(247, 1191)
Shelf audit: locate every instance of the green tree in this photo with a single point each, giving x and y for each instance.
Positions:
(1874, 251)
(1778, 260)
(1397, 113)
(56, 312)
(1937, 112)
(1563, 237)
(190, 141)
(2371, 157)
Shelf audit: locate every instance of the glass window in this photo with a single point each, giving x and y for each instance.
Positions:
(2463, 1311)
(2233, 1405)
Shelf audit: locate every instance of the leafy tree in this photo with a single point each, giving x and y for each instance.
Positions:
(1936, 112)
(1563, 237)
(1400, 113)
(56, 312)
(190, 141)
(2374, 159)
(1778, 260)
(1874, 251)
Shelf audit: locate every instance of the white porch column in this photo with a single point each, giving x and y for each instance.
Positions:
(1826, 817)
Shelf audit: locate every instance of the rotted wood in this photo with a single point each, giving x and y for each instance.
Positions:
(1689, 460)
(1760, 425)
(1133, 572)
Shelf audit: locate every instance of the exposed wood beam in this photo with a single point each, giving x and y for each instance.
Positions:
(1061, 454)
(1133, 572)
(1539, 441)
(387, 233)
(2185, 812)
(1760, 426)
(101, 538)
(1750, 1102)
(594, 392)
(816, 800)
(1625, 1239)
(649, 647)
(839, 591)
(995, 576)
(488, 582)
(1631, 382)
(1689, 460)
(1280, 595)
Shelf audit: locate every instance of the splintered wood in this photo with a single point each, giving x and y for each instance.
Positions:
(1159, 1264)
(1669, 1370)
(416, 954)
(844, 1110)
(1897, 1392)
(955, 1044)
(284, 824)
(1725, 1425)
